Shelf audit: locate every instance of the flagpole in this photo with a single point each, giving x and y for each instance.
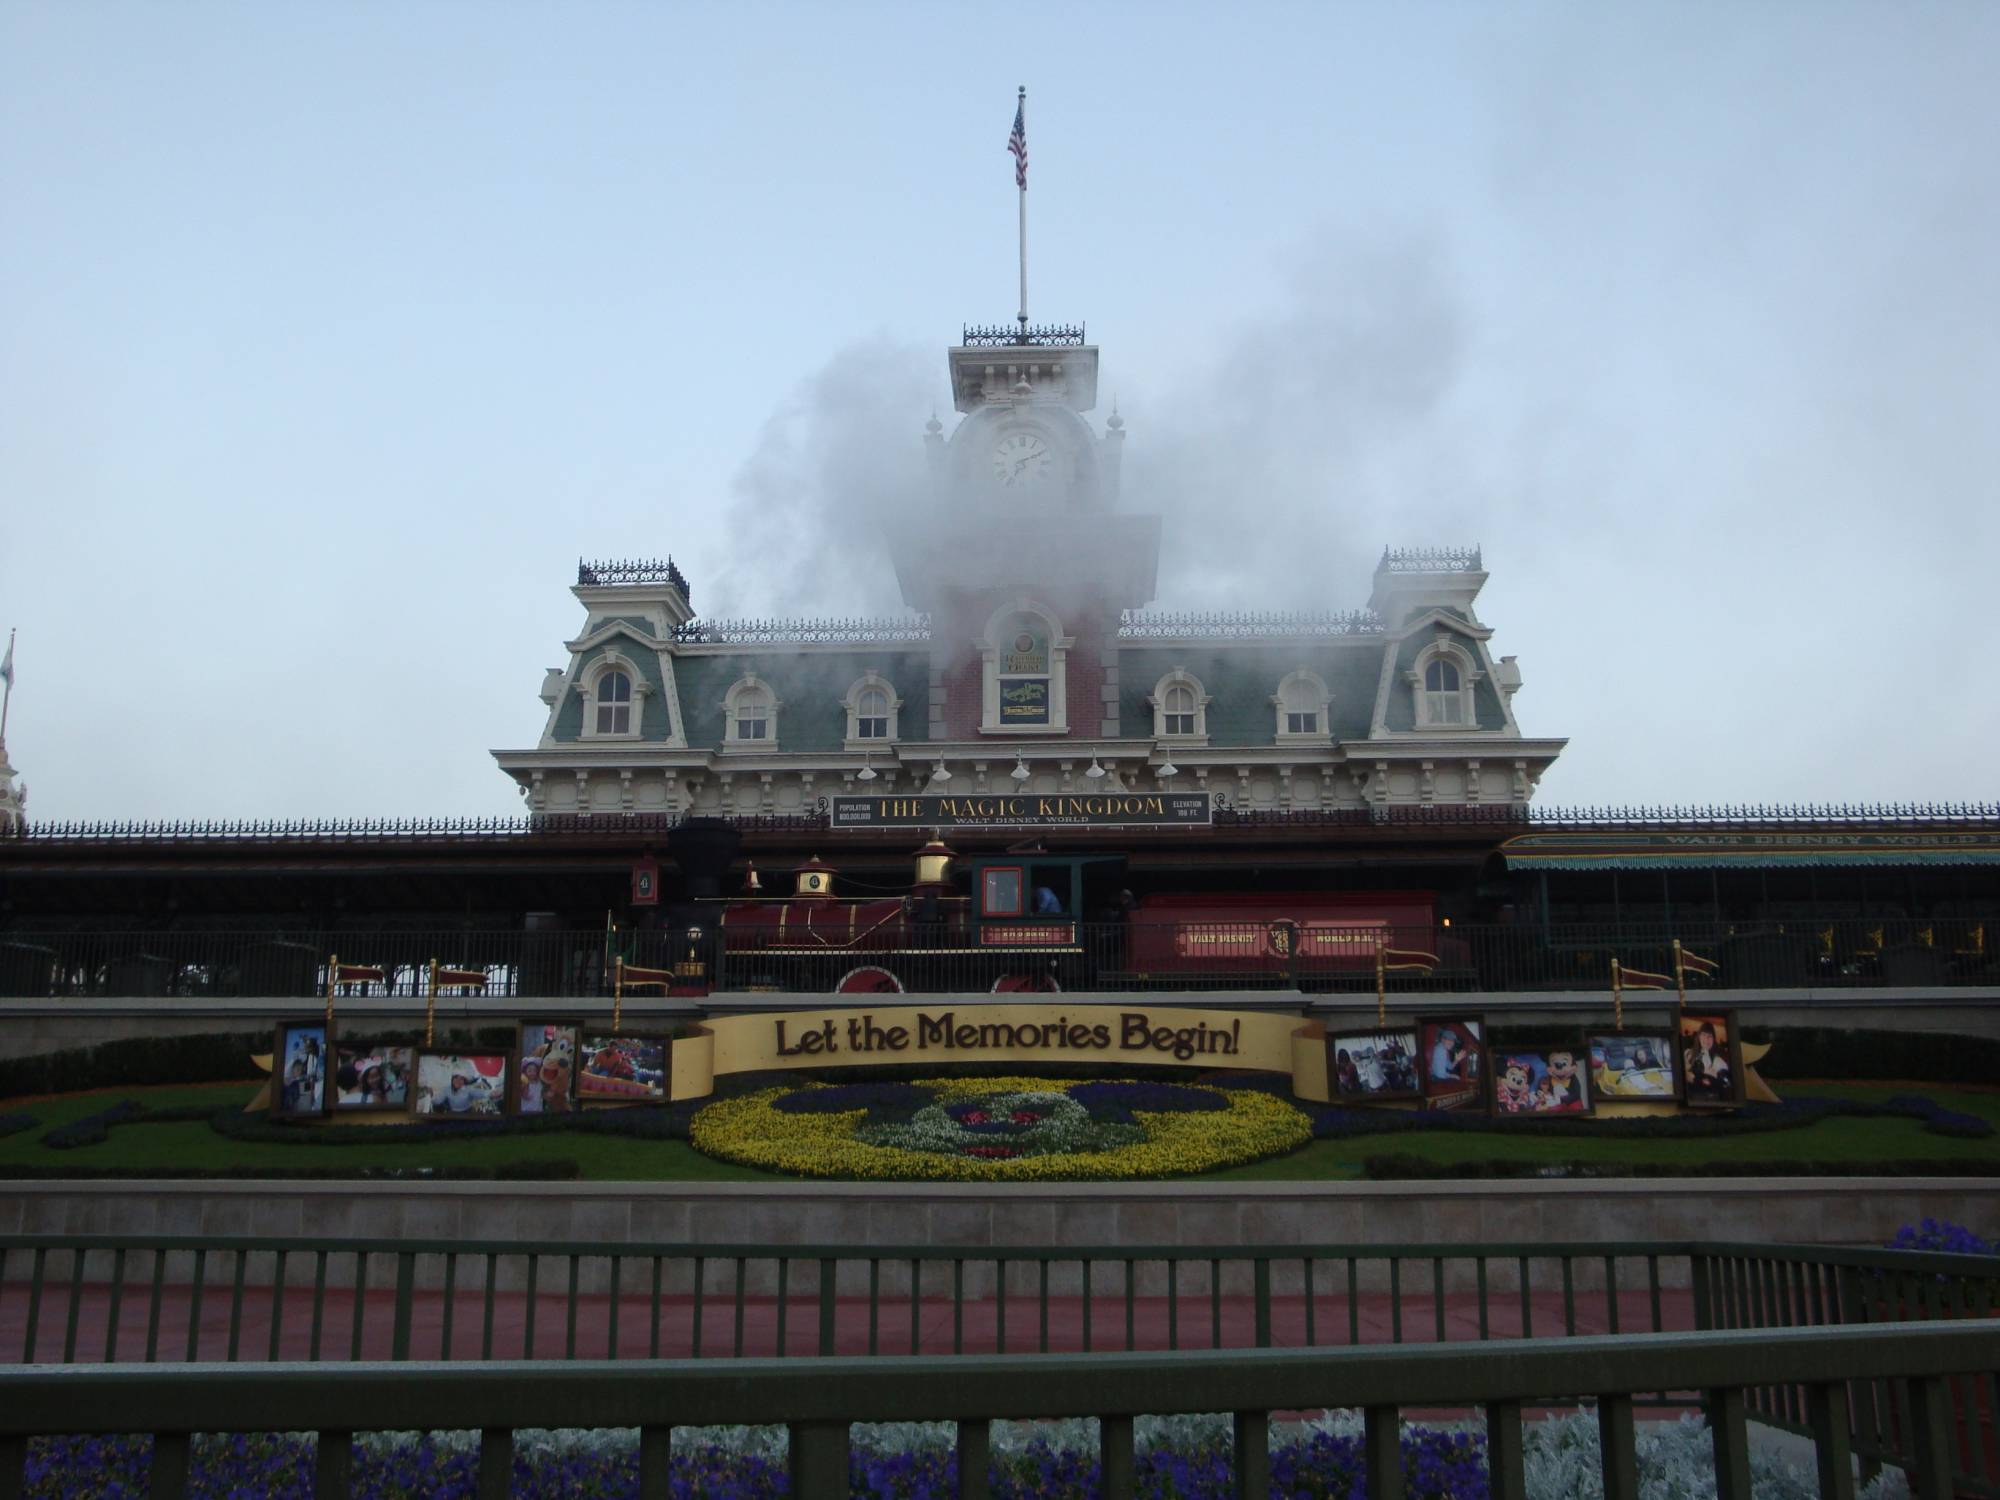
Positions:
(1381, 995)
(431, 1006)
(1680, 985)
(1022, 109)
(7, 702)
(1617, 995)
(617, 990)
(332, 982)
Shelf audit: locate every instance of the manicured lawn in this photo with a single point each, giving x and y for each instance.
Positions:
(193, 1146)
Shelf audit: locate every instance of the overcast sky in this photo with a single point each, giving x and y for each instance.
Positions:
(332, 335)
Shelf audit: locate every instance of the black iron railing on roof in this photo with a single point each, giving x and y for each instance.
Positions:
(1226, 625)
(859, 631)
(1984, 816)
(1429, 560)
(623, 572)
(1013, 335)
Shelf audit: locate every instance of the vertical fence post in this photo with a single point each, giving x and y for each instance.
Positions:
(1730, 1433)
(496, 1463)
(1114, 1441)
(827, 1309)
(170, 1466)
(333, 1465)
(1931, 1438)
(1617, 1443)
(13, 1467)
(1832, 1451)
(406, 1291)
(656, 1456)
(975, 1459)
(1506, 1455)
(818, 1459)
(1252, 1479)
(1382, 1442)
(1261, 1270)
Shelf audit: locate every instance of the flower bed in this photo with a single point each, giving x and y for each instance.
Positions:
(1180, 1458)
(1000, 1129)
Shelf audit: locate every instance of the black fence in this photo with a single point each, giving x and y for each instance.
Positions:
(1250, 954)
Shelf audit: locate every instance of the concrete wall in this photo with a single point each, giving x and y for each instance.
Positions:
(1864, 1211)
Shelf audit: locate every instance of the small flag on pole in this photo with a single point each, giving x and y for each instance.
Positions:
(1409, 958)
(358, 974)
(635, 976)
(446, 976)
(1639, 979)
(1017, 143)
(1694, 964)
(7, 663)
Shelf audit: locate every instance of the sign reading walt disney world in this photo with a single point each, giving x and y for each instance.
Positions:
(1027, 810)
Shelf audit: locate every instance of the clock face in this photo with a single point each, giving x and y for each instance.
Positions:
(1022, 458)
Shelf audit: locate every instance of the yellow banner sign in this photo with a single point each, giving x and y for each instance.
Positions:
(1028, 1035)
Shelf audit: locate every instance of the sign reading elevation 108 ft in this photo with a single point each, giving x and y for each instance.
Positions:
(1026, 810)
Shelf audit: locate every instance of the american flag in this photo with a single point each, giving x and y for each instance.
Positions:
(1018, 144)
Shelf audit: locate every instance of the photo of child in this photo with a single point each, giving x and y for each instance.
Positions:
(369, 1076)
(1632, 1065)
(1454, 1058)
(1373, 1065)
(1711, 1070)
(301, 1069)
(461, 1084)
(1539, 1082)
(547, 1069)
(632, 1069)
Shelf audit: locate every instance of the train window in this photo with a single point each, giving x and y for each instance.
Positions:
(1000, 891)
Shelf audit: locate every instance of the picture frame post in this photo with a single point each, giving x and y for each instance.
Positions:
(1680, 984)
(431, 1006)
(1381, 987)
(617, 990)
(332, 983)
(1617, 995)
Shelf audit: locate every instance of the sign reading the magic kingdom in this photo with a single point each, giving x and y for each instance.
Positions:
(1026, 810)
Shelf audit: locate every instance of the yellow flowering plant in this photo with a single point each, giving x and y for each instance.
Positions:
(1000, 1130)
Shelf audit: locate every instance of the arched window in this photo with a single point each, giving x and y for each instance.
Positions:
(614, 695)
(750, 716)
(1180, 707)
(1443, 692)
(1302, 702)
(872, 707)
(614, 703)
(1442, 680)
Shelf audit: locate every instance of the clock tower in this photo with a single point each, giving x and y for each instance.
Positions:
(1025, 488)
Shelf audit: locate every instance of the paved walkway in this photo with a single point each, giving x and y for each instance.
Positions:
(283, 1326)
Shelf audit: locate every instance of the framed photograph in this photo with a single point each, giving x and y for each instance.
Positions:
(545, 1069)
(1540, 1080)
(1711, 1059)
(370, 1076)
(614, 1067)
(1634, 1065)
(461, 1085)
(1367, 1065)
(298, 1069)
(1452, 1051)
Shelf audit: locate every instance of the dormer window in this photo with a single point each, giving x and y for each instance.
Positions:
(1180, 707)
(872, 709)
(1443, 680)
(613, 698)
(614, 703)
(1302, 702)
(1442, 690)
(750, 716)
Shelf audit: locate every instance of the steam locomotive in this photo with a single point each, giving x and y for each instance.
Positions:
(1016, 922)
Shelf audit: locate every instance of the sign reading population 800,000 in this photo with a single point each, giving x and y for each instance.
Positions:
(1027, 810)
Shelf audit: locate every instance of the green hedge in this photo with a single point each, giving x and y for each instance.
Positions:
(1402, 1168)
(506, 1171)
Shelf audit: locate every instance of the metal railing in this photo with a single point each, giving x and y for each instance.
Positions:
(65, 1299)
(1935, 1370)
(1864, 953)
